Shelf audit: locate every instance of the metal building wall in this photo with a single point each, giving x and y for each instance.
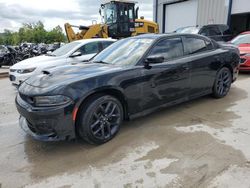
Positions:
(159, 5)
(212, 12)
(209, 11)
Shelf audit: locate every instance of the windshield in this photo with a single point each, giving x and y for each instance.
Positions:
(241, 39)
(110, 13)
(65, 49)
(124, 52)
(191, 30)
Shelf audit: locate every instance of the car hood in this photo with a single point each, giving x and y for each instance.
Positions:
(65, 75)
(42, 60)
(244, 48)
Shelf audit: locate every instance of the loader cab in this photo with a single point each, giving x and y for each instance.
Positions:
(119, 16)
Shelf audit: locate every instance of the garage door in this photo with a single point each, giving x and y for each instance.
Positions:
(240, 6)
(180, 15)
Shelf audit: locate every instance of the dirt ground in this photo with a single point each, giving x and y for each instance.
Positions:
(202, 143)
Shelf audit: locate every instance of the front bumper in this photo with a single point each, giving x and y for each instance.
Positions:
(46, 124)
(17, 79)
(245, 64)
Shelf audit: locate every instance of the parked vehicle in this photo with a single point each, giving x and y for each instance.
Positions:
(73, 52)
(218, 32)
(131, 78)
(243, 42)
(8, 56)
(3, 52)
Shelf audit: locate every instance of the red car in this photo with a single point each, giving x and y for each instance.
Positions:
(243, 42)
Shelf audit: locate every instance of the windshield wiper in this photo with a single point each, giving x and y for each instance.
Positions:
(102, 62)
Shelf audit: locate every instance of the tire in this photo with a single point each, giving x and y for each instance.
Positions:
(222, 83)
(99, 119)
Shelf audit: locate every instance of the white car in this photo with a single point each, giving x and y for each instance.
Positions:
(77, 51)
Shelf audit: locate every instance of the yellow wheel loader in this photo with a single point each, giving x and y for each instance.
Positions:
(120, 20)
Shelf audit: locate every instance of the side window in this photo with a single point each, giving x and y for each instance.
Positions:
(168, 48)
(225, 30)
(90, 48)
(205, 32)
(105, 44)
(195, 45)
(213, 31)
(210, 31)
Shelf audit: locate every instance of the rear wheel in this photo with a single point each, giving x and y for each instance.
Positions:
(100, 119)
(222, 83)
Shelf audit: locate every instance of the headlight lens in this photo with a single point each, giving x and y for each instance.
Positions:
(24, 71)
(248, 55)
(55, 100)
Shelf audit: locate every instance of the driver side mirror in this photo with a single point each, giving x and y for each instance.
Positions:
(153, 60)
(76, 54)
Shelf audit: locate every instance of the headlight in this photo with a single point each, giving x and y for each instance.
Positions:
(55, 100)
(23, 71)
(248, 55)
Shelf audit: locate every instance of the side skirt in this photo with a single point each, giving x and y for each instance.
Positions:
(151, 110)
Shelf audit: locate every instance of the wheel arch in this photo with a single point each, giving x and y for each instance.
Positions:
(115, 92)
(229, 66)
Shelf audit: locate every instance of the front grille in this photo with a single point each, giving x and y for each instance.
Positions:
(32, 128)
(12, 70)
(40, 128)
(12, 78)
(242, 60)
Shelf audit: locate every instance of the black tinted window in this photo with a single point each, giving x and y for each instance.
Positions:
(225, 30)
(195, 45)
(90, 48)
(105, 44)
(210, 31)
(168, 48)
(213, 31)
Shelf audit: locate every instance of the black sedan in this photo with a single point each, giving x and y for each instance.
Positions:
(131, 78)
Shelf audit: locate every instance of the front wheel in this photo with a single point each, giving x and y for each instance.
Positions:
(100, 119)
(222, 83)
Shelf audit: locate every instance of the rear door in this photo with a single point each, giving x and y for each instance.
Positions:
(168, 81)
(201, 56)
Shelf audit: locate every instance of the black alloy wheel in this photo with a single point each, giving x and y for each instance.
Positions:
(222, 83)
(100, 119)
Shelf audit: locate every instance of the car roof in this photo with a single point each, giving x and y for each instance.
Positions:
(158, 36)
(200, 26)
(85, 41)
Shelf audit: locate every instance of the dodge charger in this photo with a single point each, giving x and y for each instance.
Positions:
(132, 77)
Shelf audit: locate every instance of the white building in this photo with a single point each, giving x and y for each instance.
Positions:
(173, 14)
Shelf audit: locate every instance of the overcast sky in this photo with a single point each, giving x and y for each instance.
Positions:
(56, 12)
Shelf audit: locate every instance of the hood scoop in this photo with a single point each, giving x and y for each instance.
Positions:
(46, 72)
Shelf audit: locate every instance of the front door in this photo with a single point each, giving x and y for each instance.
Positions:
(166, 82)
